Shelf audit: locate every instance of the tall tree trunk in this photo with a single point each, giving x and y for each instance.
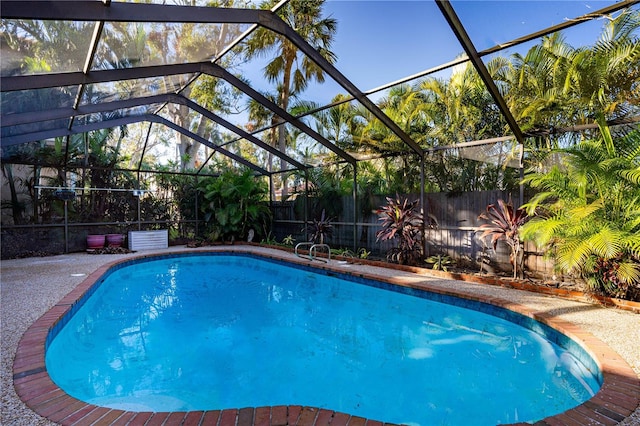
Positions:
(16, 210)
(282, 131)
(187, 147)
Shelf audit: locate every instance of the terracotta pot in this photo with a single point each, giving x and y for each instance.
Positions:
(95, 241)
(115, 240)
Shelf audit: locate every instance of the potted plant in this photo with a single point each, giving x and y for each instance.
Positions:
(95, 241)
(115, 240)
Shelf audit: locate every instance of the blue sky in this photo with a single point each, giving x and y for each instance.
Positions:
(382, 41)
(378, 42)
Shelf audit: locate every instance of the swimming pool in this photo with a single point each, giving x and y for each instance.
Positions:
(406, 360)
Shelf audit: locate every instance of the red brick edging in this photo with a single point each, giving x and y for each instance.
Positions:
(618, 397)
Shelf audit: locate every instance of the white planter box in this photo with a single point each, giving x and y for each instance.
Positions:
(147, 240)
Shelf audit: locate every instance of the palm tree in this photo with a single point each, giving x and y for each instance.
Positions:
(557, 85)
(534, 83)
(455, 111)
(403, 104)
(338, 123)
(602, 78)
(588, 212)
(261, 117)
(288, 70)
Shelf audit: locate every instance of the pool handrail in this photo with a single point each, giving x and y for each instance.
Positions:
(313, 251)
(314, 248)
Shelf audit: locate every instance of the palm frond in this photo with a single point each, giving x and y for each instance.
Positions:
(629, 272)
(605, 244)
(542, 230)
(581, 212)
(571, 255)
(632, 244)
(632, 175)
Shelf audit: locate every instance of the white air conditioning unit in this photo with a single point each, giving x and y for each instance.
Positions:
(147, 240)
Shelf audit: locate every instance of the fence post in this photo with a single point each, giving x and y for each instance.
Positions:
(197, 211)
(66, 227)
(521, 174)
(306, 202)
(139, 218)
(423, 210)
(355, 207)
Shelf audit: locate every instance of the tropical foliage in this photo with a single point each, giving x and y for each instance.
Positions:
(289, 69)
(325, 186)
(234, 203)
(504, 225)
(320, 230)
(550, 88)
(555, 85)
(440, 262)
(401, 221)
(587, 212)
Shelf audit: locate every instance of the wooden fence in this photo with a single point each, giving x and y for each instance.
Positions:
(455, 236)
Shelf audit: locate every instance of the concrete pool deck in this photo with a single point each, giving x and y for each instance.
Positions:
(32, 287)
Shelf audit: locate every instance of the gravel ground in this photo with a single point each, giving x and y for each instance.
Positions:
(30, 287)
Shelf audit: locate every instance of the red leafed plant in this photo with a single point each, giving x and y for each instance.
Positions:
(320, 230)
(505, 223)
(402, 221)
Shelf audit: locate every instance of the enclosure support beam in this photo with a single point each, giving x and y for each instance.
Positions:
(235, 129)
(521, 169)
(43, 81)
(206, 142)
(306, 202)
(64, 113)
(277, 25)
(355, 207)
(197, 207)
(144, 150)
(94, 11)
(217, 71)
(66, 227)
(139, 215)
(11, 140)
(423, 209)
(271, 195)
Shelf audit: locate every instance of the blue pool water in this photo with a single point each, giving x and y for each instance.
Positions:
(205, 332)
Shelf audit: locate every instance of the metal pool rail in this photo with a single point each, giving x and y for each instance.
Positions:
(313, 251)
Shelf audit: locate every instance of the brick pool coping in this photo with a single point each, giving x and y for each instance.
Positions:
(618, 397)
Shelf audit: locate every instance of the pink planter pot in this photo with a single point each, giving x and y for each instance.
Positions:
(95, 241)
(115, 240)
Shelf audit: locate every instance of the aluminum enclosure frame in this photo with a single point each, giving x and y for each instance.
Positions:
(101, 12)
(106, 11)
